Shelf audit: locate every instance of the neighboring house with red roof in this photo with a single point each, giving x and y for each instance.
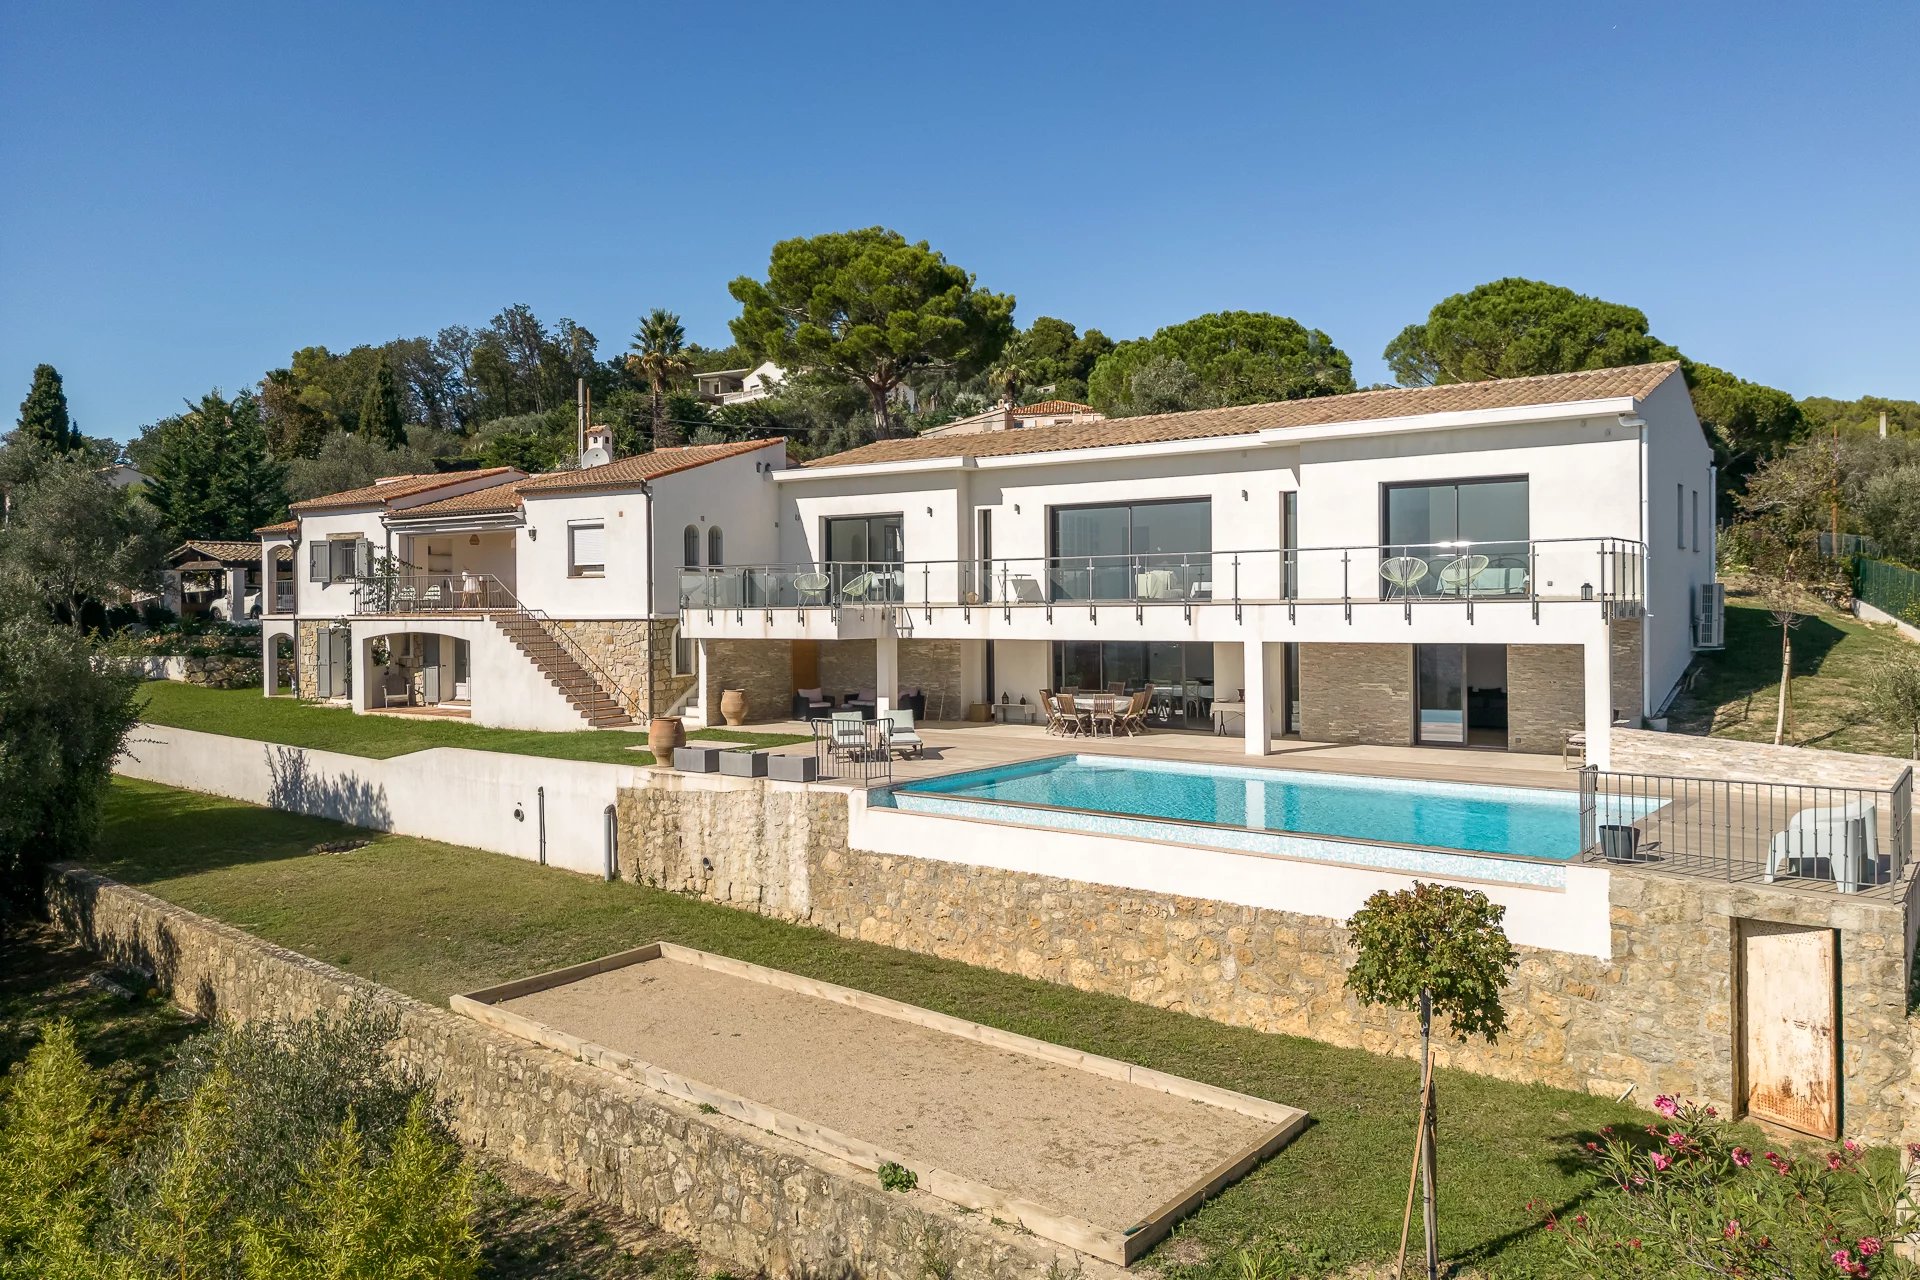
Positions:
(1045, 413)
(528, 601)
(1502, 564)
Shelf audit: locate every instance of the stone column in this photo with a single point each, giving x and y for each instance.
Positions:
(1597, 671)
(236, 594)
(886, 672)
(1259, 715)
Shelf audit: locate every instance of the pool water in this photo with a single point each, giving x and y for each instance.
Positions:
(1529, 822)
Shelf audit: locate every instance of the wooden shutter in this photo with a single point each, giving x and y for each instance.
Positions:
(363, 558)
(323, 661)
(319, 566)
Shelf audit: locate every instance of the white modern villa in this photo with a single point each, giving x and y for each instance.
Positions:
(1509, 565)
(1498, 564)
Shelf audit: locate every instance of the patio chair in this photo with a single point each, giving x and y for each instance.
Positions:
(1459, 575)
(1025, 589)
(396, 688)
(1074, 720)
(865, 703)
(1118, 688)
(1156, 584)
(849, 740)
(811, 704)
(1134, 721)
(902, 739)
(812, 587)
(1403, 574)
(1056, 719)
(1103, 711)
(858, 587)
(1574, 749)
(1848, 836)
(432, 596)
(404, 600)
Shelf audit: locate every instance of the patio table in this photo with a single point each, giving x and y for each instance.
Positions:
(1221, 710)
(1005, 711)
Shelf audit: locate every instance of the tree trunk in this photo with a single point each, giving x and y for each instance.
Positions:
(1786, 678)
(877, 394)
(663, 435)
(1429, 1162)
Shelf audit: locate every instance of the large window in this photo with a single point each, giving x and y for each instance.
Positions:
(865, 556)
(339, 559)
(1458, 537)
(1145, 550)
(1181, 675)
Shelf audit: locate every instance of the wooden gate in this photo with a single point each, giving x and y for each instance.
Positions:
(1790, 1026)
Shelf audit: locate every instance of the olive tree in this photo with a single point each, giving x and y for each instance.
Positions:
(1436, 949)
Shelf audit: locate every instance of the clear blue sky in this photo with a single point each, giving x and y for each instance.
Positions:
(189, 192)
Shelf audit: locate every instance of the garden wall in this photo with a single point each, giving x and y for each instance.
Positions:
(483, 799)
(741, 1193)
(1657, 1016)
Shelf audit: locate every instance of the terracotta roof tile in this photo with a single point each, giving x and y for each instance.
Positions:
(384, 491)
(492, 500)
(1053, 406)
(225, 550)
(285, 526)
(630, 472)
(1360, 406)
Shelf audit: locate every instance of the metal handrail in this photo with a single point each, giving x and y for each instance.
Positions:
(1860, 839)
(1448, 572)
(494, 597)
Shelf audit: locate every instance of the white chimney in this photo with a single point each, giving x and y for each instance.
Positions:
(599, 447)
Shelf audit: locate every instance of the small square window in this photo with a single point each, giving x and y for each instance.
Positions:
(586, 550)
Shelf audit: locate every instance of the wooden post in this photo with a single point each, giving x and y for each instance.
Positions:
(1429, 1164)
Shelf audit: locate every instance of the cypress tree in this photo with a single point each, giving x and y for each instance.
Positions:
(251, 485)
(382, 420)
(43, 414)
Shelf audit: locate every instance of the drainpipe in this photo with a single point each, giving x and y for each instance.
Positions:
(646, 492)
(540, 796)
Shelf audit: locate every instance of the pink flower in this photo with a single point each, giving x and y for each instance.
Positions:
(1711, 1111)
(1742, 1157)
(1851, 1145)
(1834, 1162)
(1666, 1106)
(1639, 1179)
(1869, 1245)
(1732, 1230)
(1842, 1259)
(1661, 1162)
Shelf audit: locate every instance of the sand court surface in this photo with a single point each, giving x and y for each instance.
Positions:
(1104, 1154)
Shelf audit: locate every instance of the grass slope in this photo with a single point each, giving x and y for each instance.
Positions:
(431, 919)
(243, 713)
(1739, 690)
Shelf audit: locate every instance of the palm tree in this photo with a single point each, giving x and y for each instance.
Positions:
(1008, 377)
(659, 355)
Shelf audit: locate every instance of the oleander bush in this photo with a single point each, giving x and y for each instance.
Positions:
(1684, 1198)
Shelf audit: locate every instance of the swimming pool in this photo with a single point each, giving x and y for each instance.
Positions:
(1213, 804)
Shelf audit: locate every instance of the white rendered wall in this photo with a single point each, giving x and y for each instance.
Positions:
(331, 600)
(1574, 919)
(508, 691)
(545, 582)
(738, 495)
(1679, 462)
(462, 797)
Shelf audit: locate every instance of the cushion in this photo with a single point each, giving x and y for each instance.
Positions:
(867, 695)
(811, 695)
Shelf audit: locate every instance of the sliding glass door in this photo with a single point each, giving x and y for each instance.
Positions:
(1180, 673)
(865, 556)
(1460, 695)
(1457, 537)
(1144, 550)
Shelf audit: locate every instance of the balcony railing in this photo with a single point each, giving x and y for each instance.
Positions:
(1608, 571)
(418, 592)
(1852, 839)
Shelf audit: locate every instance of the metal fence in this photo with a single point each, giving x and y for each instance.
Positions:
(1890, 588)
(1854, 839)
(854, 749)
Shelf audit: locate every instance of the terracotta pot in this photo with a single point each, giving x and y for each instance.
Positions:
(733, 707)
(664, 733)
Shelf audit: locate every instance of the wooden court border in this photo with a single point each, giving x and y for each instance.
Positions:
(1106, 1243)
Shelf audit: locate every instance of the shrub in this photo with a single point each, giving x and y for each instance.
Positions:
(1685, 1198)
(53, 1114)
(897, 1177)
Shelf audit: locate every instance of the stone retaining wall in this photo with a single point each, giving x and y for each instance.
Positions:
(740, 1193)
(1658, 1016)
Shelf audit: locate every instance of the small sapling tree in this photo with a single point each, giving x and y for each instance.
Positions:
(1435, 949)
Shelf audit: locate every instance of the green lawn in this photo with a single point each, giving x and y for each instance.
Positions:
(243, 713)
(1739, 690)
(431, 919)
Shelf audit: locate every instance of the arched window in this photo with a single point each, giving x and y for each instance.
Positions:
(690, 548)
(715, 551)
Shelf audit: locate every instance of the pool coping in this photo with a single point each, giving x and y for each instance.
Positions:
(1037, 763)
(1121, 1246)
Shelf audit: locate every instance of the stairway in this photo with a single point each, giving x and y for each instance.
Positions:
(575, 683)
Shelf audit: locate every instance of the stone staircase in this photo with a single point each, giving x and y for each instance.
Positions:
(563, 671)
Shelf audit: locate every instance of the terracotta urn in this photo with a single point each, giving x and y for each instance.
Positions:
(664, 733)
(733, 707)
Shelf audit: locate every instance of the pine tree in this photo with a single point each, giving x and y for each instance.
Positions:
(43, 414)
(250, 484)
(382, 419)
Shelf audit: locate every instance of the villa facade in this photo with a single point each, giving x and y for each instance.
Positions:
(1499, 565)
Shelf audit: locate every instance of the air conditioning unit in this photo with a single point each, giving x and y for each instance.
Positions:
(1710, 617)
